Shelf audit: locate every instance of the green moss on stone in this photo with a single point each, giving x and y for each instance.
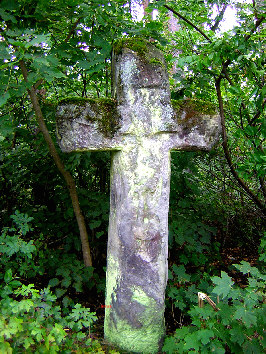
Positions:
(156, 61)
(108, 114)
(191, 113)
(142, 47)
(194, 106)
(136, 44)
(143, 339)
(74, 100)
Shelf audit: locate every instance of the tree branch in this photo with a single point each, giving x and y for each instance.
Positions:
(255, 199)
(37, 84)
(66, 175)
(257, 115)
(189, 22)
(257, 23)
(72, 30)
(224, 74)
(219, 18)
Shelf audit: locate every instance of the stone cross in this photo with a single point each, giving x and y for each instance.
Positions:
(141, 126)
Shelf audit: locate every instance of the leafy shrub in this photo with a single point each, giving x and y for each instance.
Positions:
(72, 277)
(16, 252)
(28, 259)
(237, 327)
(182, 287)
(31, 320)
(192, 236)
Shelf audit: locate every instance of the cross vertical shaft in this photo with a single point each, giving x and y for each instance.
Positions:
(138, 227)
(137, 248)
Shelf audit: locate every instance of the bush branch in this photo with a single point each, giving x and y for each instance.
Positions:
(188, 22)
(255, 199)
(66, 175)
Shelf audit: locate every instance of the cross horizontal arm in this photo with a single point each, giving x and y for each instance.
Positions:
(97, 124)
(87, 124)
(197, 123)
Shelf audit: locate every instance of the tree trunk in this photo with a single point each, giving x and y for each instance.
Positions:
(145, 4)
(66, 175)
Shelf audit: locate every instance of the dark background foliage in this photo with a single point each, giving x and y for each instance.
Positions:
(217, 200)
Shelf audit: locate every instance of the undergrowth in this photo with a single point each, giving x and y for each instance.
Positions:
(39, 320)
(235, 325)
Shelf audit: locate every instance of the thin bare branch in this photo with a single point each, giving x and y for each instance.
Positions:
(72, 30)
(219, 18)
(255, 199)
(257, 24)
(188, 22)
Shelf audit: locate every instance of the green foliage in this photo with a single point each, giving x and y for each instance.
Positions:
(66, 46)
(199, 64)
(262, 250)
(196, 217)
(16, 253)
(238, 325)
(191, 233)
(72, 278)
(223, 284)
(31, 320)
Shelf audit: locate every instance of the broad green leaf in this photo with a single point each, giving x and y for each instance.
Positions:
(8, 276)
(4, 98)
(15, 283)
(247, 316)
(38, 40)
(66, 282)
(205, 335)
(180, 271)
(54, 282)
(78, 286)
(60, 292)
(237, 335)
(235, 90)
(99, 234)
(246, 268)
(224, 284)
(5, 348)
(7, 16)
(28, 342)
(95, 224)
(192, 342)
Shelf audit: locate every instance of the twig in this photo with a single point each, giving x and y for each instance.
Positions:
(219, 18)
(72, 30)
(226, 150)
(257, 23)
(202, 296)
(60, 165)
(189, 22)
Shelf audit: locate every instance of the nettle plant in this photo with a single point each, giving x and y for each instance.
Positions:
(237, 325)
(16, 252)
(30, 318)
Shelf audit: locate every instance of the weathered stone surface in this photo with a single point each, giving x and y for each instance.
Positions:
(87, 124)
(146, 127)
